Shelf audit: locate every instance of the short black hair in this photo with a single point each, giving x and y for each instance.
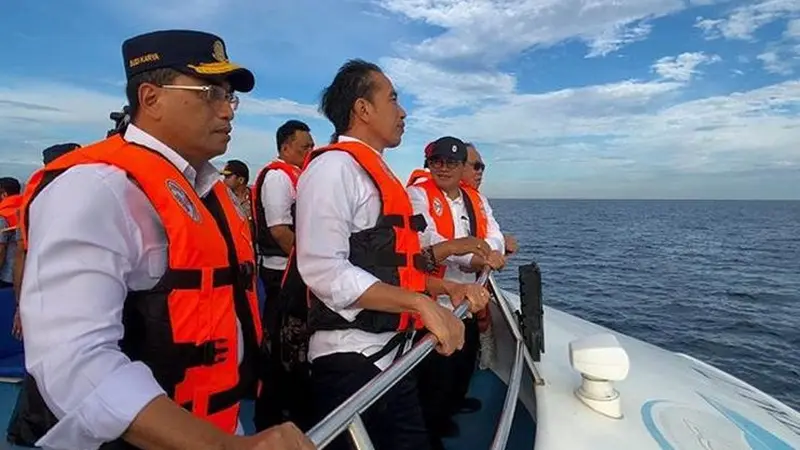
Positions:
(238, 168)
(287, 130)
(159, 77)
(10, 186)
(352, 81)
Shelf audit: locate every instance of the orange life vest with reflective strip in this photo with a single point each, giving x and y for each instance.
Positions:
(9, 210)
(442, 215)
(439, 210)
(265, 243)
(390, 250)
(418, 175)
(185, 328)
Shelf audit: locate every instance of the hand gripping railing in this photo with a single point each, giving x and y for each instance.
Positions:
(348, 414)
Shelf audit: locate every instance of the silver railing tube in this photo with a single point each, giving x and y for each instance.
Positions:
(340, 418)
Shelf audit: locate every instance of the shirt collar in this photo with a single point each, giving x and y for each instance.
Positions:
(344, 138)
(201, 181)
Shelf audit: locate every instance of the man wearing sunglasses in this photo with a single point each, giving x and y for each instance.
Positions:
(453, 211)
(141, 322)
(473, 175)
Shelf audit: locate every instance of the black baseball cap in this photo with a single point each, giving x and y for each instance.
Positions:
(236, 167)
(194, 53)
(54, 151)
(446, 147)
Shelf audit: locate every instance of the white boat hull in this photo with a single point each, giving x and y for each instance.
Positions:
(669, 400)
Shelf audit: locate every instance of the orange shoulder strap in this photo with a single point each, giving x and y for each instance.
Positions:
(418, 175)
(479, 209)
(152, 172)
(293, 172)
(393, 194)
(439, 209)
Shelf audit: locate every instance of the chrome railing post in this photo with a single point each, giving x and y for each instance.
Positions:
(359, 435)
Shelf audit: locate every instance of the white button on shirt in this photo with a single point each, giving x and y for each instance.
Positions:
(277, 197)
(453, 264)
(93, 236)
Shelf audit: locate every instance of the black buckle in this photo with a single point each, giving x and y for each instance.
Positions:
(247, 273)
(209, 353)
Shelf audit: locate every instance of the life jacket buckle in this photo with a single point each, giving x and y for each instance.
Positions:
(247, 271)
(212, 352)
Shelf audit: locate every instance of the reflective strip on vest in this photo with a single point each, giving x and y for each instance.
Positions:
(185, 328)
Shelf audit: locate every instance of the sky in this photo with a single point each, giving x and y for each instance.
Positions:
(564, 98)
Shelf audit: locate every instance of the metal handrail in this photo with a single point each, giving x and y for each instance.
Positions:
(348, 414)
(340, 418)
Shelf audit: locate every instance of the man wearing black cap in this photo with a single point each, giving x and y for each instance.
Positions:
(140, 326)
(236, 175)
(454, 211)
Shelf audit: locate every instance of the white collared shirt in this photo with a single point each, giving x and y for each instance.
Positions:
(336, 198)
(277, 197)
(93, 237)
(461, 226)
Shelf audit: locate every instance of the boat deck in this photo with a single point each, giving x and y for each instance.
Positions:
(477, 430)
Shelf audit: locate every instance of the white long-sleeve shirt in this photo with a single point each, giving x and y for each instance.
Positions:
(336, 198)
(93, 237)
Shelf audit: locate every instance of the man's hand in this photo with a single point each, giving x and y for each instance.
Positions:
(495, 261)
(467, 245)
(285, 436)
(475, 294)
(511, 243)
(440, 321)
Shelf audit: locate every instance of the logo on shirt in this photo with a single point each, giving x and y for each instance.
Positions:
(438, 208)
(183, 200)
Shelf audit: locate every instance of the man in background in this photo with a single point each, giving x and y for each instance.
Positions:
(273, 206)
(236, 176)
(473, 175)
(10, 199)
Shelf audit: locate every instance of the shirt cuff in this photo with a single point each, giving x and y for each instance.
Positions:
(107, 412)
(347, 288)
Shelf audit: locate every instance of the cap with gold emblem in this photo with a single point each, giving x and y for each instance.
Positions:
(194, 53)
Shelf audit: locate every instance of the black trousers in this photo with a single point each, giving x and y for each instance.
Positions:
(394, 422)
(465, 362)
(285, 396)
(444, 381)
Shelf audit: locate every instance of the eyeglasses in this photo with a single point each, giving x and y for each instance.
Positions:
(211, 93)
(439, 163)
(478, 166)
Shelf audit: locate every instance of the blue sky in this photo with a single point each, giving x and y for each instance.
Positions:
(564, 98)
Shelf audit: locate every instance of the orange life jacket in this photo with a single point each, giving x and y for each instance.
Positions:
(185, 328)
(9, 210)
(266, 245)
(418, 175)
(390, 250)
(439, 210)
(442, 215)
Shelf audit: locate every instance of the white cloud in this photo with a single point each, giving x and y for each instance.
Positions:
(277, 107)
(492, 30)
(684, 66)
(745, 20)
(623, 127)
(35, 114)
